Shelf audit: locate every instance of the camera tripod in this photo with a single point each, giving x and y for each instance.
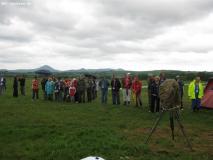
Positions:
(174, 114)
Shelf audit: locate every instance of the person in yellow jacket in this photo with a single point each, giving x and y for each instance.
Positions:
(195, 93)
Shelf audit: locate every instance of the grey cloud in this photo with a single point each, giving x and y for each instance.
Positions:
(113, 22)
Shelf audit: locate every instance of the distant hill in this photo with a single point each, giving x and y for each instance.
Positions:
(46, 67)
(94, 70)
(107, 72)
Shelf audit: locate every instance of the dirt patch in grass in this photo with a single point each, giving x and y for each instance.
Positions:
(161, 141)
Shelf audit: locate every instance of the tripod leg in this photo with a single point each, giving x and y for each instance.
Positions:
(172, 124)
(182, 129)
(154, 127)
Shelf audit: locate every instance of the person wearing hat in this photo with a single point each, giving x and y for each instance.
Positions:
(181, 89)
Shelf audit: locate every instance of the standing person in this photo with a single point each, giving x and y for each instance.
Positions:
(72, 92)
(4, 84)
(67, 83)
(195, 93)
(56, 89)
(127, 83)
(81, 89)
(162, 77)
(150, 80)
(181, 89)
(49, 88)
(75, 83)
(155, 100)
(43, 83)
(115, 85)
(136, 88)
(96, 87)
(61, 89)
(93, 88)
(22, 85)
(15, 87)
(35, 88)
(1, 85)
(104, 84)
(89, 89)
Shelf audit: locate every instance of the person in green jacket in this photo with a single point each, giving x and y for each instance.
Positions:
(195, 93)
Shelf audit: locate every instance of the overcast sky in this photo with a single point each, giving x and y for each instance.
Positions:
(128, 34)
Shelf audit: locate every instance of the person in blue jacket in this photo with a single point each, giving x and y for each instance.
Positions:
(104, 84)
(49, 89)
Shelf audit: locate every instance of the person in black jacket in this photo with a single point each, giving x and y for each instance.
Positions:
(150, 81)
(15, 87)
(22, 85)
(181, 89)
(115, 85)
(155, 100)
(43, 83)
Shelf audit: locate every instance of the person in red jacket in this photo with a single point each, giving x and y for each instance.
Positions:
(35, 86)
(136, 88)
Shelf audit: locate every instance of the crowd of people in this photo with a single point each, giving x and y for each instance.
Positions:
(85, 88)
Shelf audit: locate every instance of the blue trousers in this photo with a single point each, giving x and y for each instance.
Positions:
(196, 104)
(104, 94)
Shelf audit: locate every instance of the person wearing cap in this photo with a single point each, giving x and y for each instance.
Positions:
(155, 100)
(127, 83)
(181, 89)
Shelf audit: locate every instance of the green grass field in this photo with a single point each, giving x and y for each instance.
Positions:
(37, 130)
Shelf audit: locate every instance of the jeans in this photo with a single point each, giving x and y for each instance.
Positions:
(115, 97)
(196, 104)
(104, 93)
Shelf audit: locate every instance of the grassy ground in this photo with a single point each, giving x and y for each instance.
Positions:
(55, 131)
